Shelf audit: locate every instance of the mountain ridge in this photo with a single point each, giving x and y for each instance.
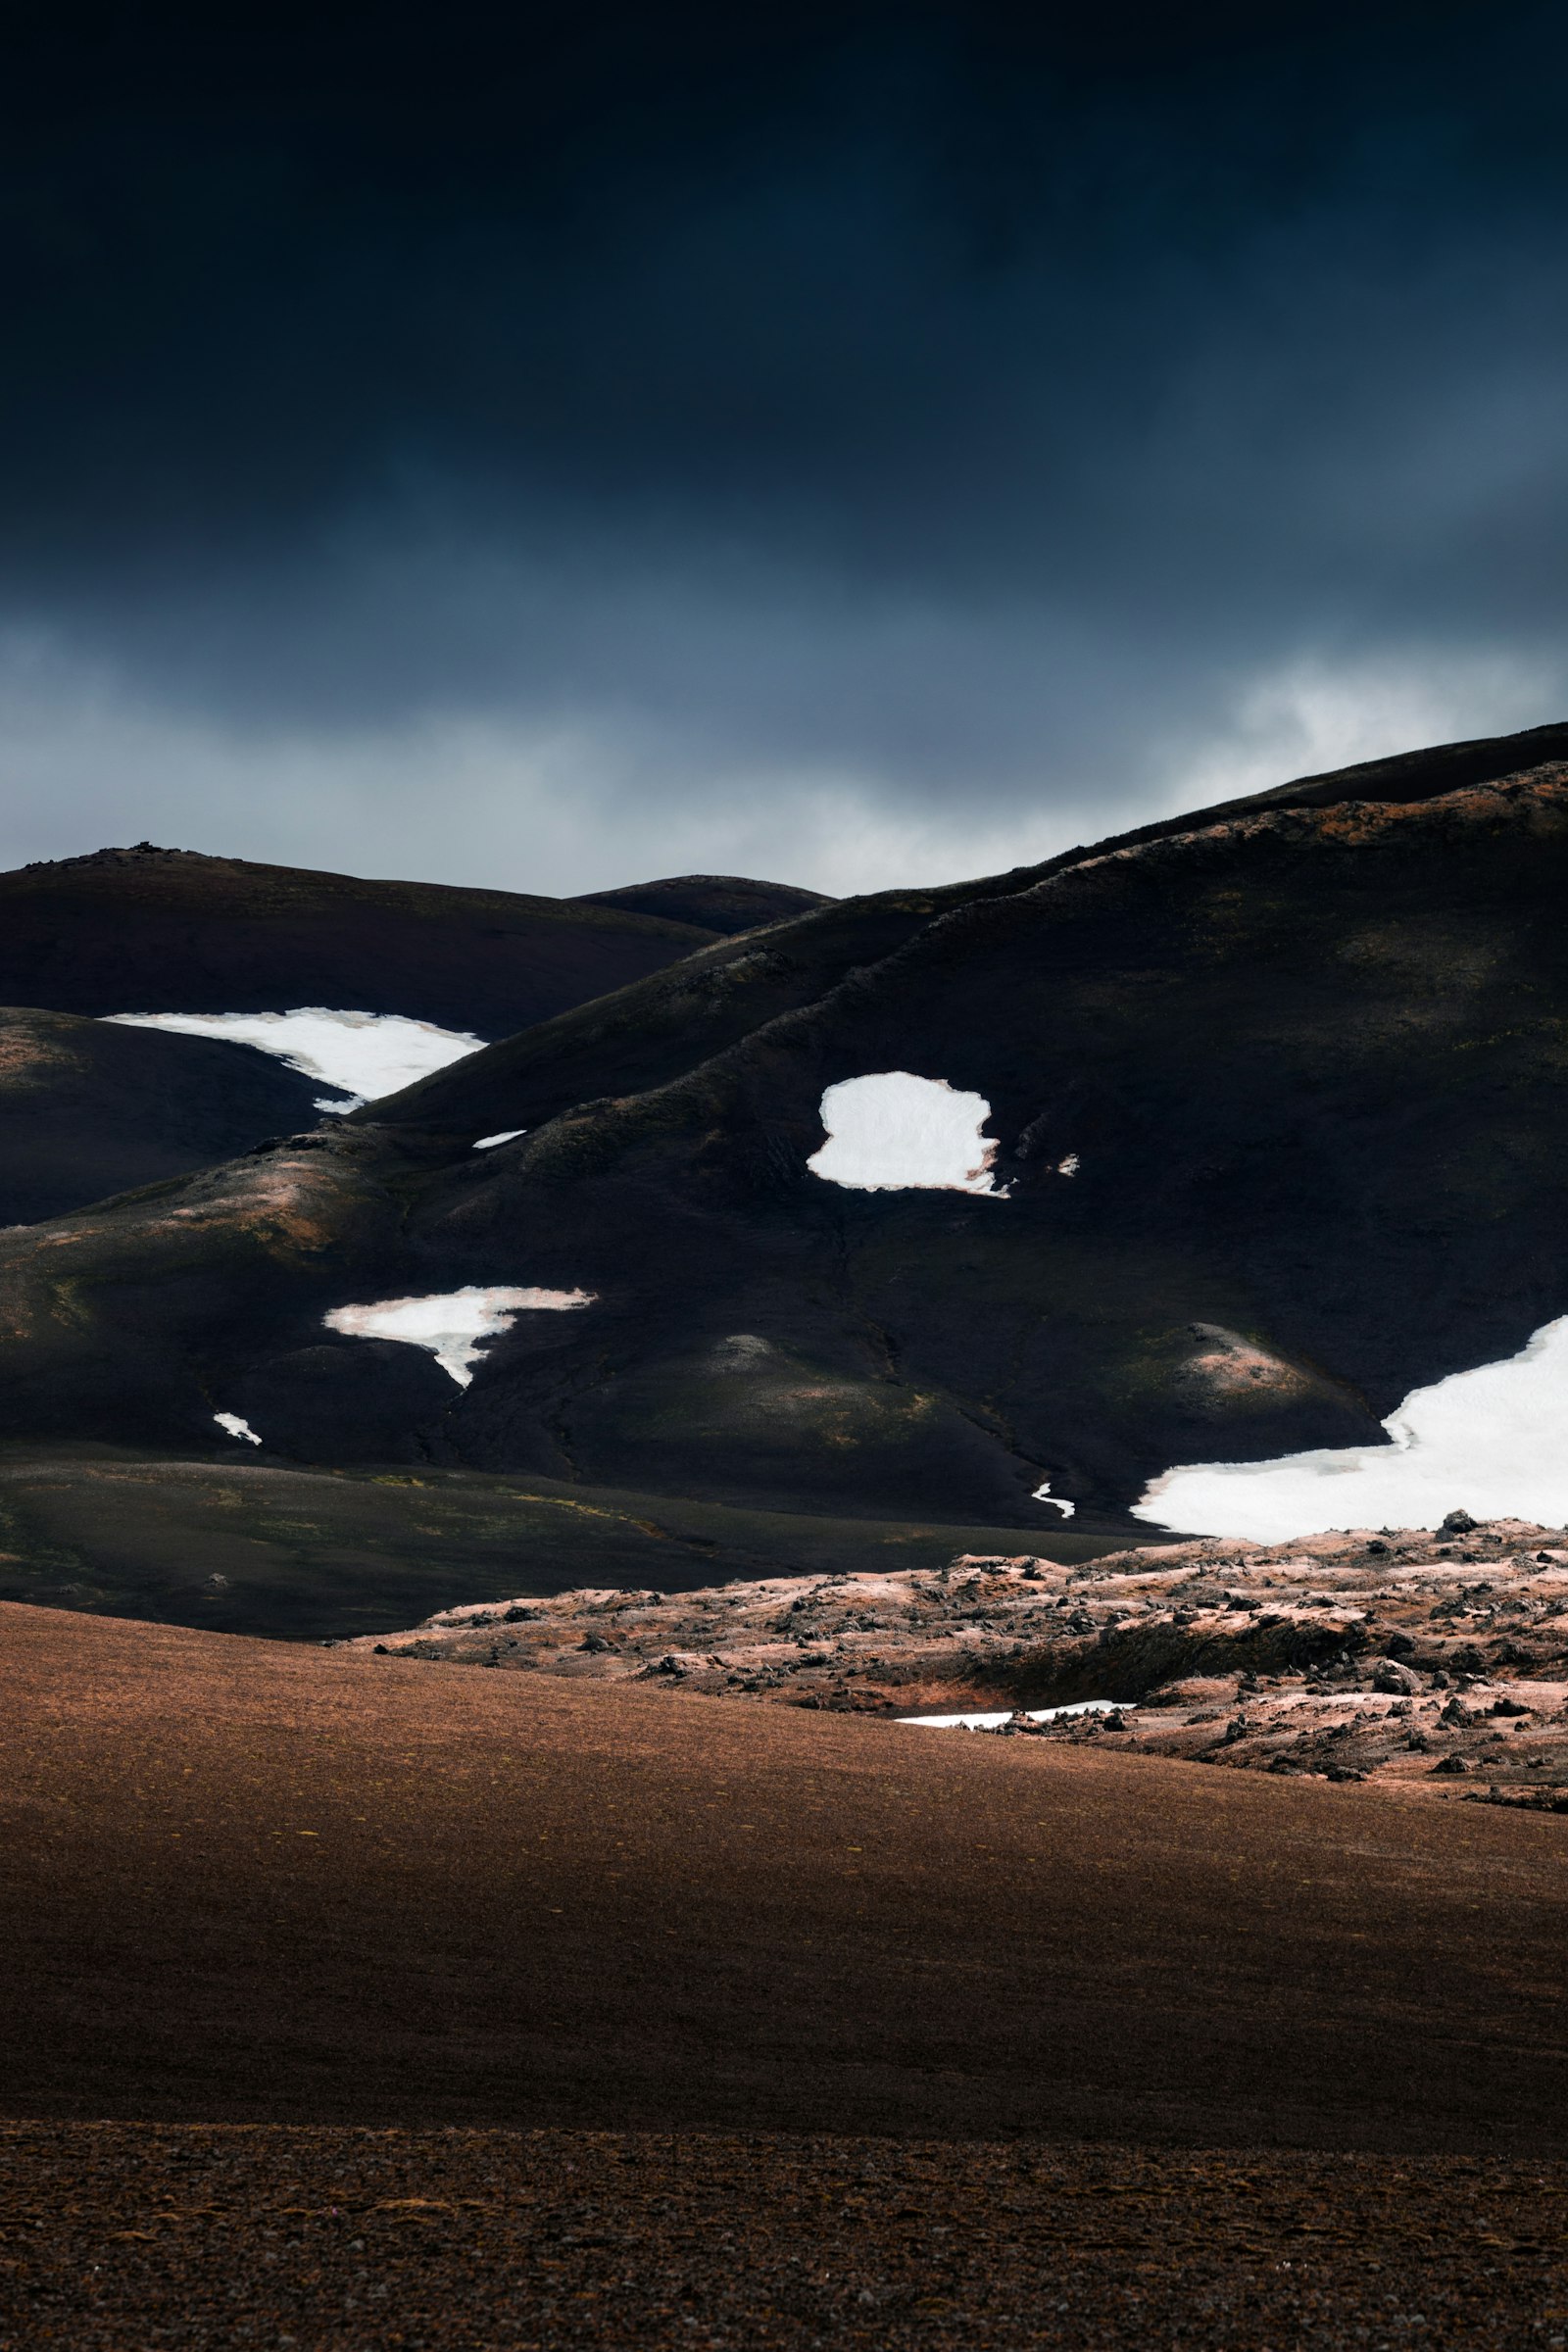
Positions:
(1275, 1126)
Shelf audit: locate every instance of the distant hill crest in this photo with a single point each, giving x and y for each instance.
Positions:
(137, 850)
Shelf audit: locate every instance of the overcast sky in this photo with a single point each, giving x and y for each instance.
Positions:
(559, 445)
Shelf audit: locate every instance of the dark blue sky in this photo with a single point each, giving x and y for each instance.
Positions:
(861, 444)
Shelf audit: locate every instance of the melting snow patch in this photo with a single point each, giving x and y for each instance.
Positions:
(995, 1722)
(237, 1428)
(1068, 1167)
(367, 1053)
(1044, 1495)
(453, 1324)
(1490, 1442)
(507, 1135)
(893, 1132)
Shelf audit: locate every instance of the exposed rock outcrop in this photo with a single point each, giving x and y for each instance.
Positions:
(1409, 1657)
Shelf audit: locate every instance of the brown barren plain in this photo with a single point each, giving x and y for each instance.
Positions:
(355, 2001)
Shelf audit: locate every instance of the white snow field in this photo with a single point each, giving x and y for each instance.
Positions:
(993, 1721)
(507, 1135)
(453, 1324)
(237, 1428)
(1492, 1442)
(367, 1054)
(892, 1132)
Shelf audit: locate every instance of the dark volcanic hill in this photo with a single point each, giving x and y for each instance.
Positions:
(723, 903)
(1278, 1113)
(1274, 1105)
(86, 1111)
(88, 1108)
(148, 930)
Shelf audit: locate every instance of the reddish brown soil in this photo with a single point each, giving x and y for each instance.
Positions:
(114, 2241)
(243, 1883)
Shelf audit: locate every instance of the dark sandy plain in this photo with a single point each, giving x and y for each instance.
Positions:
(366, 2001)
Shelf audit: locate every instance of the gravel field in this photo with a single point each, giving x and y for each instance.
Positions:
(114, 2239)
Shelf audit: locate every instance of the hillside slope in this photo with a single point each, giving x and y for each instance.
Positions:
(84, 1112)
(1268, 1128)
(348, 1890)
(89, 1109)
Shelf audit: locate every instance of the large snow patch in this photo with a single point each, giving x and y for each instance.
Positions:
(453, 1324)
(367, 1053)
(893, 1132)
(1492, 1442)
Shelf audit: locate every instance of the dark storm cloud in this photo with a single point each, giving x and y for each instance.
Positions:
(936, 404)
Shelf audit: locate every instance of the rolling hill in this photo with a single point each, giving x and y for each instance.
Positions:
(405, 970)
(978, 1206)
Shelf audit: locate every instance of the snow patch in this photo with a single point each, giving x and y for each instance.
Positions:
(1042, 1494)
(994, 1722)
(893, 1132)
(1492, 1442)
(1068, 1167)
(237, 1428)
(453, 1324)
(367, 1054)
(507, 1135)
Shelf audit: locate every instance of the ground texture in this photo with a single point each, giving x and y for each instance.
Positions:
(852, 2001)
(119, 2238)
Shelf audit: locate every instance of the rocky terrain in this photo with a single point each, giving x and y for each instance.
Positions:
(1430, 1661)
(354, 2003)
(113, 2238)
